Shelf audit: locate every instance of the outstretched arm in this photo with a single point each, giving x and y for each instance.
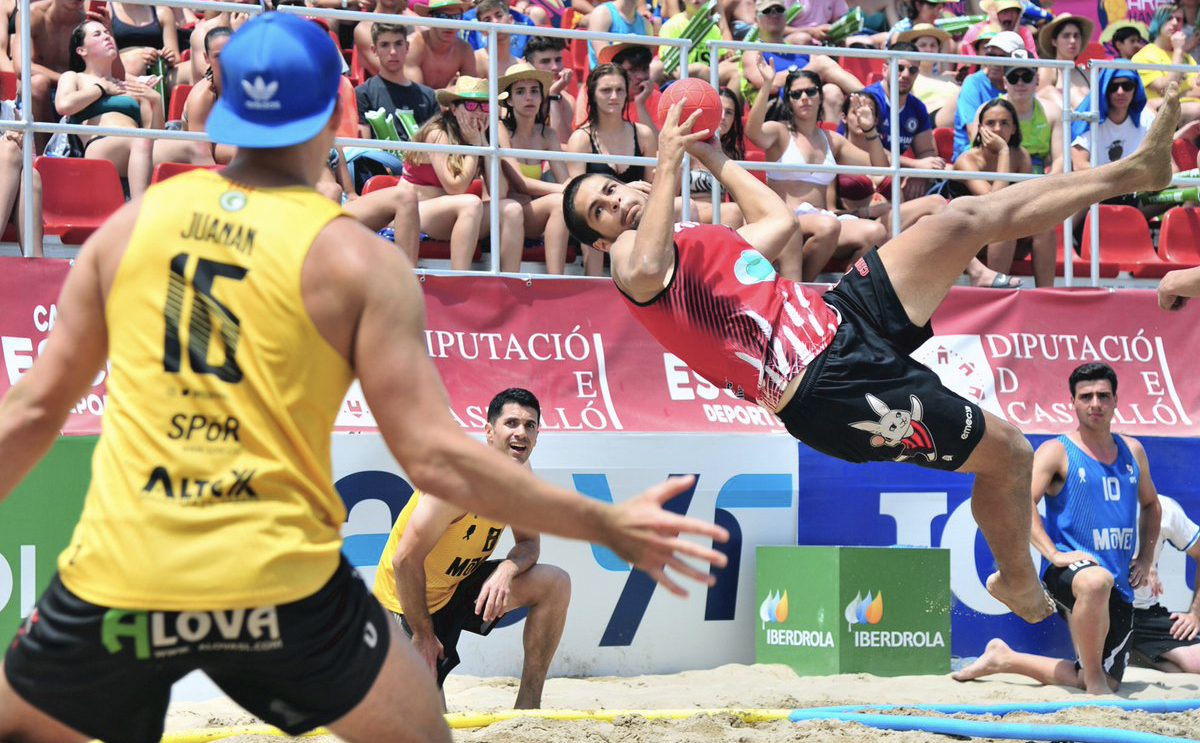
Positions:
(770, 222)
(1177, 286)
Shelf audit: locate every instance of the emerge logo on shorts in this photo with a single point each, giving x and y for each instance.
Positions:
(902, 428)
(162, 634)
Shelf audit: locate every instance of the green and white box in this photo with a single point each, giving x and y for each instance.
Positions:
(878, 610)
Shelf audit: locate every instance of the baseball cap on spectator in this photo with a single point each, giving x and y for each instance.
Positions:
(1021, 53)
(280, 76)
(761, 5)
(1006, 41)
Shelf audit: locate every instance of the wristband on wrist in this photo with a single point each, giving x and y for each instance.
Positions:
(103, 92)
(555, 96)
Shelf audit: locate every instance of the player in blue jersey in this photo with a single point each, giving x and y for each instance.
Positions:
(1096, 484)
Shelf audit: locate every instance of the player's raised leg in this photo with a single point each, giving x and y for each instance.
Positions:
(925, 260)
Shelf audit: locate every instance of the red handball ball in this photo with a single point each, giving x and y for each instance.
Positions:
(695, 94)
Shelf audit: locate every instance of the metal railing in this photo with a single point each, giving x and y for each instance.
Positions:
(493, 151)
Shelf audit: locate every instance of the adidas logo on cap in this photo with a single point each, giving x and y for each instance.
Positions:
(260, 95)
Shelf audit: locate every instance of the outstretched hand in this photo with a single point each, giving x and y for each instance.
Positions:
(648, 536)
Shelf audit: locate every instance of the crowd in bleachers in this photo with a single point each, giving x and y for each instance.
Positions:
(127, 66)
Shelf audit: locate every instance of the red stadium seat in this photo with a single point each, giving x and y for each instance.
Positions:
(757, 156)
(862, 67)
(1183, 152)
(1094, 50)
(357, 74)
(348, 126)
(943, 137)
(1125, 238)
(8, 86)
(829, 126)
(1179, 239)
(77, 195)
(378, 182)
(163, 171)
(179, 96)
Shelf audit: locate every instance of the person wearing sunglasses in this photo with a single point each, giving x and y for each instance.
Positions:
(437, 55)
(447, 208)
(1124, 119)
(1040, 121)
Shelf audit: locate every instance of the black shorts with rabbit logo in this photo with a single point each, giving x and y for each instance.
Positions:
(865, 399)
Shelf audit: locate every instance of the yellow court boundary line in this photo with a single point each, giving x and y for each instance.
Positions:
(483, 719)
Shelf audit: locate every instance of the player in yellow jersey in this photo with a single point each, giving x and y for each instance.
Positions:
(435, 576)
(234, 309)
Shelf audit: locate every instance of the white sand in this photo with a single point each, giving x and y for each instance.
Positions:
(756, 686)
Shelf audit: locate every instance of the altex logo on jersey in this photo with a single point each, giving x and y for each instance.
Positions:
(163, 634)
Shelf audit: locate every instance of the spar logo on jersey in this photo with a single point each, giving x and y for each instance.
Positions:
(899, 428)
(774, 607)
(868, 610)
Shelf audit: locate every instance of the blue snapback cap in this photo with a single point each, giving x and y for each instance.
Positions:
(279, 83)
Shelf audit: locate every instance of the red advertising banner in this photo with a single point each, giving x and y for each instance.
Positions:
(594, 368)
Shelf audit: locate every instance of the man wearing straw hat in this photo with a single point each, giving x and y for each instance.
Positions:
(437, 55)
(836, 368)
(234, 309)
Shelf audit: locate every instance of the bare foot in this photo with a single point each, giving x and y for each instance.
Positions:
(1030, 602)
(992, 661)
(1150, 163)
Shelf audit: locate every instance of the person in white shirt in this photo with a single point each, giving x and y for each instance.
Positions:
(1169, 640)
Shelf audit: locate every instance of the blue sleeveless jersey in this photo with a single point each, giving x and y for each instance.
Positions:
(1097, 510)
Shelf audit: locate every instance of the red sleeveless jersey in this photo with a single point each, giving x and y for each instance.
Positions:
(732, 319)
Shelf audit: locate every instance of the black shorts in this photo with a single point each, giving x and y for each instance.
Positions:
(864, 399)
(1115, 654)
(108, 672)
(458, 615)
(1152, 633)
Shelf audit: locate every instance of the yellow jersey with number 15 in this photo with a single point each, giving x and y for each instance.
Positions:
(211, 483)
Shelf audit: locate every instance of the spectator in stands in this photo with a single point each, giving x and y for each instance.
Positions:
(546, 53)
(938, 90)
(12, 201)
(1064, 38)
(8, 31)
(1127, 37)
(442, 182)
(1003, 15)
(209, 20)
(771, 25)
(916, 128)
(699, 57)
(997, 149)
(144, 35)
(812, 24)
(798, 138)
(607, 130)
(51, 24)
(438, 55)
(1124, 117)
(397, 206)
(391, 89)
(542, 12)
(1168, 47)
(982, 86)
(1040, 121)
(88, 94)
(364, 36)
(919, 11)
(200, 101)
(495, 11)
(535, 186)
(616, 17)
(634, 59)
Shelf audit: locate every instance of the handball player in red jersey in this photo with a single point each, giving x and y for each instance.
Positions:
(836, 368)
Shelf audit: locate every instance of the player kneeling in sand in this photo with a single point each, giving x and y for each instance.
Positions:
(435, 576)
(836, 368)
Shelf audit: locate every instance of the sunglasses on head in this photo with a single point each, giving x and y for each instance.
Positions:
(797, 93)
(447, 16)
(1019, 76)
(1124, 84)
(773, 10)
(475, 106)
